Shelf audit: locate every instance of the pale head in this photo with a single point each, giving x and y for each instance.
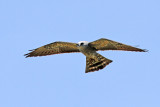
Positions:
(83, 43)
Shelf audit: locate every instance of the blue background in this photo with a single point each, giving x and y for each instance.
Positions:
(131, 80)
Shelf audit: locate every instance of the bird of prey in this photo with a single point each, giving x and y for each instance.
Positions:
(94, 61)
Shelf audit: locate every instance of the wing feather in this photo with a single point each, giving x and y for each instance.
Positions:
(53, 48)
(106, 44)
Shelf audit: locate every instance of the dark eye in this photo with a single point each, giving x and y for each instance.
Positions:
(82, 43)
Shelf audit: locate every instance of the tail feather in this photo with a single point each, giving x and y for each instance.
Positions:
(96, 63)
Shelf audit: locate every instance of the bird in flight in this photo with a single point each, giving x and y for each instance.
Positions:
(94, 61)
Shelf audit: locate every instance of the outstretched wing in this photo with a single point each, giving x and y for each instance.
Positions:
(106, 44)
(54, 48)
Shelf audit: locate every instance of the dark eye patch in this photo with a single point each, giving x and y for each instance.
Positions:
(82, 43)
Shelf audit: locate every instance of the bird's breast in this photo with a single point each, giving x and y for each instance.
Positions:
(87, 51)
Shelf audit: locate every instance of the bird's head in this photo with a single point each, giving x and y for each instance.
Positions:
(83, 43)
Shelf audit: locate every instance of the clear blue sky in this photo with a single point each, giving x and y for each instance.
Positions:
(131, 80)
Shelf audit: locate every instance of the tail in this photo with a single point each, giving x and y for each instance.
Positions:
(96, 63)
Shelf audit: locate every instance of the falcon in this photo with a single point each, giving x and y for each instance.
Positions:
(94, 61)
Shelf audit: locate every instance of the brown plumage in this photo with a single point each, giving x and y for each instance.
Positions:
(94, 61)
(54, 48)
(106, 44)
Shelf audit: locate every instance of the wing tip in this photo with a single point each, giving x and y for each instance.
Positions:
(29, 54)
(144, 50)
